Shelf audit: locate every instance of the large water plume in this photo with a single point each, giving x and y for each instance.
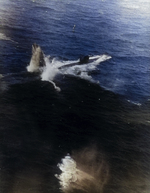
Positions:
(85, 171)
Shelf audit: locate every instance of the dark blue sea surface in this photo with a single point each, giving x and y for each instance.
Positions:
(106, 115)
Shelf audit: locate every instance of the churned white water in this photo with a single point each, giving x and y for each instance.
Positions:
(55, 67)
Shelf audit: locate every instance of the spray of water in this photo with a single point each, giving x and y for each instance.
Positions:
(55, 67)
(85, 171)
(50, 71)
(50, 68)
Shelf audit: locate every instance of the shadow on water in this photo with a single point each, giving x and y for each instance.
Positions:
(39, 126)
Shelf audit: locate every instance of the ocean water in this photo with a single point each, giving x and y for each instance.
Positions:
(82, 128)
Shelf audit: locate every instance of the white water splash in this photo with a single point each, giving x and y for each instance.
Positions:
(50, 71)
(82, 71)
(73, 68)
(36, 59)
(71, 177)
(68, 175)
(86, 170)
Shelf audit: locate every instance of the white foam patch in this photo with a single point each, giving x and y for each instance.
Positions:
(56, 67)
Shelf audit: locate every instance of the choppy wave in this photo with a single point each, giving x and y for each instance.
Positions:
(135, 103)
